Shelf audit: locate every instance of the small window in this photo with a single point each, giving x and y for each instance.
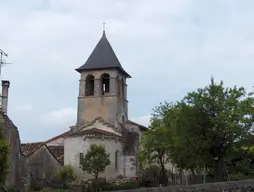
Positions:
(105, 83)
(123, 87)
(116, 159)
(81, 158)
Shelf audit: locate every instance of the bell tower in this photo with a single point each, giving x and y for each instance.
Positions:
(102, 87)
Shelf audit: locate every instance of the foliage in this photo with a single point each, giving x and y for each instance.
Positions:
(207, 128)
(220, 120)
(4, 153)
(154, 148)
(65, 174)
(96, 160)
(54, 190)
(120, 186)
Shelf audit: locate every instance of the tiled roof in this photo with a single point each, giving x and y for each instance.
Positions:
(29, 148)
(57, 137)
(136, 124)
(94, 131)
(58, 153)
(102, 57)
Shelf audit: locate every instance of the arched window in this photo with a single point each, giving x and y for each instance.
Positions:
(105, 83)
(89, 85)
(116, 159)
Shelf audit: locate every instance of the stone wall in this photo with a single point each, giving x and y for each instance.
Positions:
(233, 186)
(16, 169)
(110, 106)
(42, 165)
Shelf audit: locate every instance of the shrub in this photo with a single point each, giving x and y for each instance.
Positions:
(66, 175)
(120, 186)
(53, 190)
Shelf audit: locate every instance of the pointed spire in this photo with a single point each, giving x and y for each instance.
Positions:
(102, 57)
(104, 34)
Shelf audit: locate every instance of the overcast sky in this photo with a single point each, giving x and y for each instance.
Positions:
(170, 47)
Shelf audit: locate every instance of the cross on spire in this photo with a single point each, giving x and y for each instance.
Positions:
(104, 23)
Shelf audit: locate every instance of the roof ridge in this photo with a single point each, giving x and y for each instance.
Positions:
(57, 137)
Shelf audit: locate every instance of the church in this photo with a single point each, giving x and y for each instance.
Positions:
(102, 119)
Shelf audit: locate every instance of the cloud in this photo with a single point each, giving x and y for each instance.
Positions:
(61, 118)
(169, 47)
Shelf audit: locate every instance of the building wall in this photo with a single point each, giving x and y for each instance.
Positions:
(42, 165)
(73, 146)
(17, 168)
(111, 106)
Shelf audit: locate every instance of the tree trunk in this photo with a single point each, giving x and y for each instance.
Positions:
(163, 179)
(95, 183)
(181, 176)
(219, 169)
(193, 177)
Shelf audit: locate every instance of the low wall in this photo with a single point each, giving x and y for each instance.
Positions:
(232, 186)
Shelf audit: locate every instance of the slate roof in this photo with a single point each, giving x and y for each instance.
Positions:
(93, 131)
(102, 57)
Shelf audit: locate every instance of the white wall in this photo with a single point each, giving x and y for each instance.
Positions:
(73, 146)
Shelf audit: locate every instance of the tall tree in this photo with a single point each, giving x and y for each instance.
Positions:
(203, 130)
(221, 117)
(154, 150)
(156, 142)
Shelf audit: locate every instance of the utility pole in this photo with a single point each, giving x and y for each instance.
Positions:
(2, 62)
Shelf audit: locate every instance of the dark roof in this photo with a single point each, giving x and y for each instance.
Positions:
(94, 131)
(29, 148)
(58, 153)
(102, 57)
(136, 124)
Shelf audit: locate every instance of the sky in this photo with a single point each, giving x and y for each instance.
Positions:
(170, 47)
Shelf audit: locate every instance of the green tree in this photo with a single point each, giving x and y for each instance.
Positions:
(95, 161)
(154, 150)
(176, 141)
(220, 118)
(66, 175)
(4, 154)
(203, 129)
(156, 143)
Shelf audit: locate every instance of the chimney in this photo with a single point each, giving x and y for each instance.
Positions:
(5, 90)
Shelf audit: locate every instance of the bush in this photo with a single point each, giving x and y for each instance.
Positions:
(12, 189)
(120, 186)
(53, 190)
(66, 175)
